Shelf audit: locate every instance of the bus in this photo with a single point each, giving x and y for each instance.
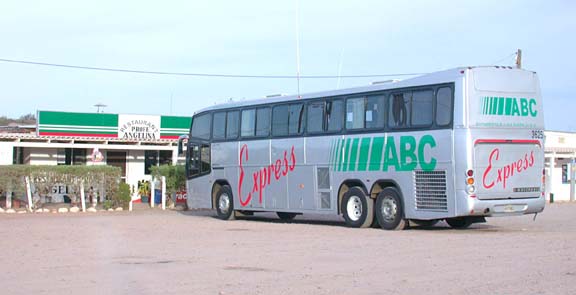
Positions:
(457, 145)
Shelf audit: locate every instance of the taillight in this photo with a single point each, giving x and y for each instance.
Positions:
(470, 189)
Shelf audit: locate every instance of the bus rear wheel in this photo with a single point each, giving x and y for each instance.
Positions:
(459, 222)
(225, 203)
(357, 208)
(389, 210)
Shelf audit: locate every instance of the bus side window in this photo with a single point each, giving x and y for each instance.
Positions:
(355, 108)
(219, 125)
(232, 124)
(422, 107)
(205, 159)
(399, 109)
(193, 160)
(334, 115)
(375, 113)
(263, 122)
(296, 119)
(280, 120)
(248, 123)
(443, 106)
(315, 121)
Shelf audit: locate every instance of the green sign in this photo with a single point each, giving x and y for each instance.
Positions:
(137, 127)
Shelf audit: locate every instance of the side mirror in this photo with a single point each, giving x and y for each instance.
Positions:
(181, 139)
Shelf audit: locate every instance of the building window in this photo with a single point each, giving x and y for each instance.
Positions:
(71, 156)
(156, 158)
(18, 155)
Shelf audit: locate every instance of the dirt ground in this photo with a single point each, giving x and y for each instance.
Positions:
(155, 252)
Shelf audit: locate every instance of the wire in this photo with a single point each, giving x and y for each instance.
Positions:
(501, 60)
(200, 74)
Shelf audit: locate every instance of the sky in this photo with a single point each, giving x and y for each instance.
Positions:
(258, 37)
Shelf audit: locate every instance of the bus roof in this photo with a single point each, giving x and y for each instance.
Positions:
(445, 76)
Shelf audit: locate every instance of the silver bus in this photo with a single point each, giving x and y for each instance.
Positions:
(457, 145)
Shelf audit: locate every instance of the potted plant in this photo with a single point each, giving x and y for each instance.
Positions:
(144, 190)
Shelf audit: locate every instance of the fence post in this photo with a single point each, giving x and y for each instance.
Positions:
(8, 199)
(29, 193)
(163, 192)
(82, 196)
(152, 192)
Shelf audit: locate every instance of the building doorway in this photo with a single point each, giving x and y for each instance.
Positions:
(117, 159)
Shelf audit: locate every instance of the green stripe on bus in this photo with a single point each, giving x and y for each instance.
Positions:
(345, 156)
(508, 108)
(364, 149)
(331, 158)
(354, 154)
(338, 155)
(500, 105)
(376, 154)
(485, 105)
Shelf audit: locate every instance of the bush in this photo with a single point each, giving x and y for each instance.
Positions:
(175, 177)
(122, 198)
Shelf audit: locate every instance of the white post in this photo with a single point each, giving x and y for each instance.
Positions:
(152, 188)
(163, 192)
(82, 196)
(29, 194)
(8, 199)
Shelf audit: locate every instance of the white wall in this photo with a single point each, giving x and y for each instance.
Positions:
(41, 156)
(6, 150)
(135, 168)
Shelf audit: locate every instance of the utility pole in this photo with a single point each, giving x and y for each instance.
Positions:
(519, 59)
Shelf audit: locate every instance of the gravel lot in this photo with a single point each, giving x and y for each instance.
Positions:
(153, 252)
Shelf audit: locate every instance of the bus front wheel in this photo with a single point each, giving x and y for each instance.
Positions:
(357, 208)
(389, 210)
(225, 203)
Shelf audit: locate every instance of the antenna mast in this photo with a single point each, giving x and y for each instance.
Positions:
(519, 59)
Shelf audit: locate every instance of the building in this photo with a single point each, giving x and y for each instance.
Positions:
(134, 143)
(560, 155)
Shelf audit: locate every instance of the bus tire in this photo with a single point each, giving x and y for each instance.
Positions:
(459, 222)
(389, 210)
(357, 208)
(225, 203)
(286, 215)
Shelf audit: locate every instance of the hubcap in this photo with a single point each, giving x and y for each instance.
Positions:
(389, 209)
(224, 203)
(354, 208)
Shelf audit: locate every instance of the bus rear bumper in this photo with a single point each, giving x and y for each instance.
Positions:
(506, 207)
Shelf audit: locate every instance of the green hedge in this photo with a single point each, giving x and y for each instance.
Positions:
(44, 177)
(175, 177)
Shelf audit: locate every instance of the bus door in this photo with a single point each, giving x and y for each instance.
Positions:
(199, 167)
